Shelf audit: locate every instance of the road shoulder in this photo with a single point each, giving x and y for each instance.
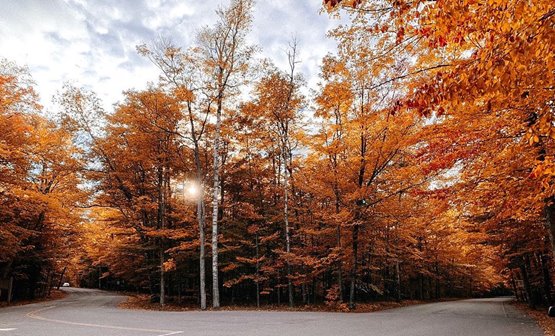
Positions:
(546, 323)
(55, 294)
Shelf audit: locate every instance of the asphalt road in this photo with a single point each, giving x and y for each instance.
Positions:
(90, 312)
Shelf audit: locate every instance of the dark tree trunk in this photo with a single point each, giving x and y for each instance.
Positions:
(257, 274)
(420, 287)
(550, 223)
(397, 282)
(352, 292)
(526, 281)
(546, 278)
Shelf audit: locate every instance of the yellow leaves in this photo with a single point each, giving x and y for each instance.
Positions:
(488, 99)
(534, 139)
(183, 94)
(544, 172)
(169, 265)
(38, 178)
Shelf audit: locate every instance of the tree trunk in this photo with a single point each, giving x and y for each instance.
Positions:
(161, 225)
(50, 278)
(526, 281)
(550, 223)
(437, 282)
(62, 277)
(339, 271)
(162, 278)
(313, 290)
(202, 243)
(215, 203)
(287, 230)
(354, 268)
(516, 290)
(420, 286)
(278, 289)
(338, 244)
(546, 278)
(397, 282)
(201, 221)
(257, 274)
(10, 290)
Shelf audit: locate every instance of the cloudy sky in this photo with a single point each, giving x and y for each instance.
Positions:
(92, 43)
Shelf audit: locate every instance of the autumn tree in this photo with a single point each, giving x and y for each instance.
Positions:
(140, 153)
(206, 78)
(278, 103)
(501, 64)
(183, 77)
(225, 54)
(39, 186)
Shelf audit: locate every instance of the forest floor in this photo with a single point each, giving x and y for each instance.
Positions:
(142, 301)
(55, 294)
(540, 316)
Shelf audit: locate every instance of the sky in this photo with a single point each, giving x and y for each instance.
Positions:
(93, 43)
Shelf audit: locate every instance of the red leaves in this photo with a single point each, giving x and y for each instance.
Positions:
(332, 3)
(400, 35)
(424, 32)
(425, 99)
(396, 107)
(439, 193)
(438, 42)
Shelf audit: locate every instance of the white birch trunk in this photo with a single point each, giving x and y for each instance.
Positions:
(215, 203)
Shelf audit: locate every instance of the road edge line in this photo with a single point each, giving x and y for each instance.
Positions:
(33, 315)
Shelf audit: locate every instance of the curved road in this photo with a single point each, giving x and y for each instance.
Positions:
(87, 312)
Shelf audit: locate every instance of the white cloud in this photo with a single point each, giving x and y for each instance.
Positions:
(92, 43)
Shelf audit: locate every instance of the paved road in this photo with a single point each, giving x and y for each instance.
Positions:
(90, 313)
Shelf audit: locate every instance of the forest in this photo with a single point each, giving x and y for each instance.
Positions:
(421, 166)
